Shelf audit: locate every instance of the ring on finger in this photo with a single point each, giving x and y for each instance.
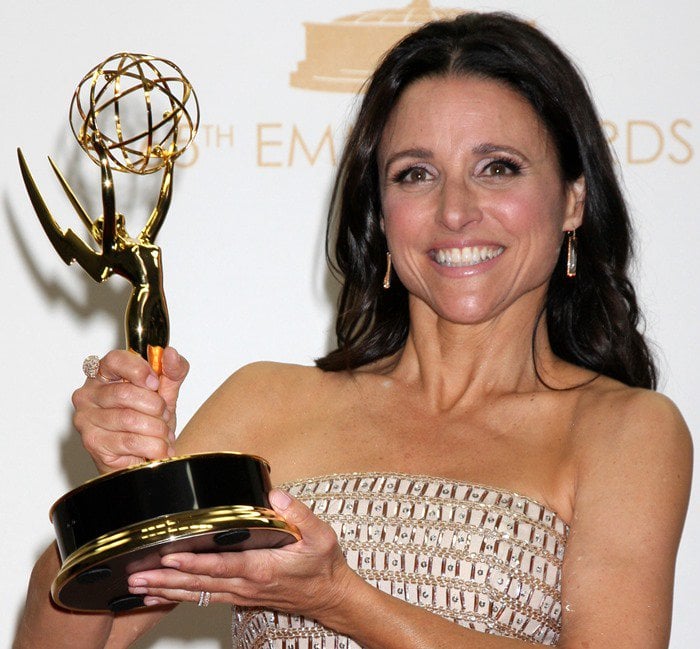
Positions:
(91, 369)
(91, 366)
(104, 379)
(204, 598)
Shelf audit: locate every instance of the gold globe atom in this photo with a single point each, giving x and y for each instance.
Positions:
(136, 106)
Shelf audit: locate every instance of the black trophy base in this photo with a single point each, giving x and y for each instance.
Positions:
(95, 577)
(124, 522)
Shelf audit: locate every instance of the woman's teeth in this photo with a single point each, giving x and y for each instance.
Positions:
(467, 256)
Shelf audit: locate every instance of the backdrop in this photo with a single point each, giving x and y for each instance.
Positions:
(243, 243)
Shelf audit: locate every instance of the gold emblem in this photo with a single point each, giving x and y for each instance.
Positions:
(342, 54)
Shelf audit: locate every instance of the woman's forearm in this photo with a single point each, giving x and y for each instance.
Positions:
(43, 624)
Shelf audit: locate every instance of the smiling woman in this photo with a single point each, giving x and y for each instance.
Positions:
(518, 57)
(470, 467)
(474, 208)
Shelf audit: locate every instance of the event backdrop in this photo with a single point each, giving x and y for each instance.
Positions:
(243, 243)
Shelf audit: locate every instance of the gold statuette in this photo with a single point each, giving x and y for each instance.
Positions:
(129, 113)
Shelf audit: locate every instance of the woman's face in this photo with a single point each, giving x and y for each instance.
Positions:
(473, 202)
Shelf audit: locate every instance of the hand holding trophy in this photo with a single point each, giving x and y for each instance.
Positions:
(129, 113)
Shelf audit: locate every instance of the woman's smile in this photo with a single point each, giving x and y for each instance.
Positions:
(466, 256)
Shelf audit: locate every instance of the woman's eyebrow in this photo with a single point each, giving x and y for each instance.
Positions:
(407, 153)
(489, 147)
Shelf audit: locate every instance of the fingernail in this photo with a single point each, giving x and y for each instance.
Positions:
(151, 601)
(170, 562)
(280, 499)
(137, 581)
(152, 382)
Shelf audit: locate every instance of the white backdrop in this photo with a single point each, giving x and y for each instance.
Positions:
(244, 268)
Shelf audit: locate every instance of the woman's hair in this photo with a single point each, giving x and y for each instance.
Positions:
(592, 319)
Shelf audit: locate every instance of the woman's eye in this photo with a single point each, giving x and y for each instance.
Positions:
(502, 168)
(412, 175)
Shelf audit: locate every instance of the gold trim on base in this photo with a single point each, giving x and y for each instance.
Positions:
(140, 546)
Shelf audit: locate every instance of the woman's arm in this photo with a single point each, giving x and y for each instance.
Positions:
(632, 494)
(120, 423)
(46, 626)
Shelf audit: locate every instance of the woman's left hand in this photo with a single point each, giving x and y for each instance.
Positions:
(309, 577)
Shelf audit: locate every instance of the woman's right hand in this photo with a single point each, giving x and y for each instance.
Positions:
(131, 417)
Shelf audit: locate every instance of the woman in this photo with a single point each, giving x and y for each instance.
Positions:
(492, 460)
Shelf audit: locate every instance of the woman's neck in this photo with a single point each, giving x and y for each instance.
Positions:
(450, 363)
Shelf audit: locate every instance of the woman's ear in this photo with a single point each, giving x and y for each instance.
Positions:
(575, 202)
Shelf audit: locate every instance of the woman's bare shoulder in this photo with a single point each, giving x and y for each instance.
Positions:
(269, 379)
(632, 431)
(612, 412)
(255, 403)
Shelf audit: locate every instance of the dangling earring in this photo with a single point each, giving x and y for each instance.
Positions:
(571, 253)
(387, 275)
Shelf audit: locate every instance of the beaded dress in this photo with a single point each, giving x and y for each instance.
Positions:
(484, 558)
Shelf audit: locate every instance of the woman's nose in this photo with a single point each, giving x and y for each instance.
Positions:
(458, 205)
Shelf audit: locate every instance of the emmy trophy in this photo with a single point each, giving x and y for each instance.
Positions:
(130, 114)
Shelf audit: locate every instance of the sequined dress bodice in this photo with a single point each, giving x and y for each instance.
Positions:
(486, 559)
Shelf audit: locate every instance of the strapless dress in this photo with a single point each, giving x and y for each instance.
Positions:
(484, 558)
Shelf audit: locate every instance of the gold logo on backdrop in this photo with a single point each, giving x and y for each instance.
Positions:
(342, 54)
(643, 141)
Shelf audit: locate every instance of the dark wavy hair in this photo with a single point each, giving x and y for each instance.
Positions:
(593, 319)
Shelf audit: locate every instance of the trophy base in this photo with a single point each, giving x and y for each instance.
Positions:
(94, 578)
(124, 522)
